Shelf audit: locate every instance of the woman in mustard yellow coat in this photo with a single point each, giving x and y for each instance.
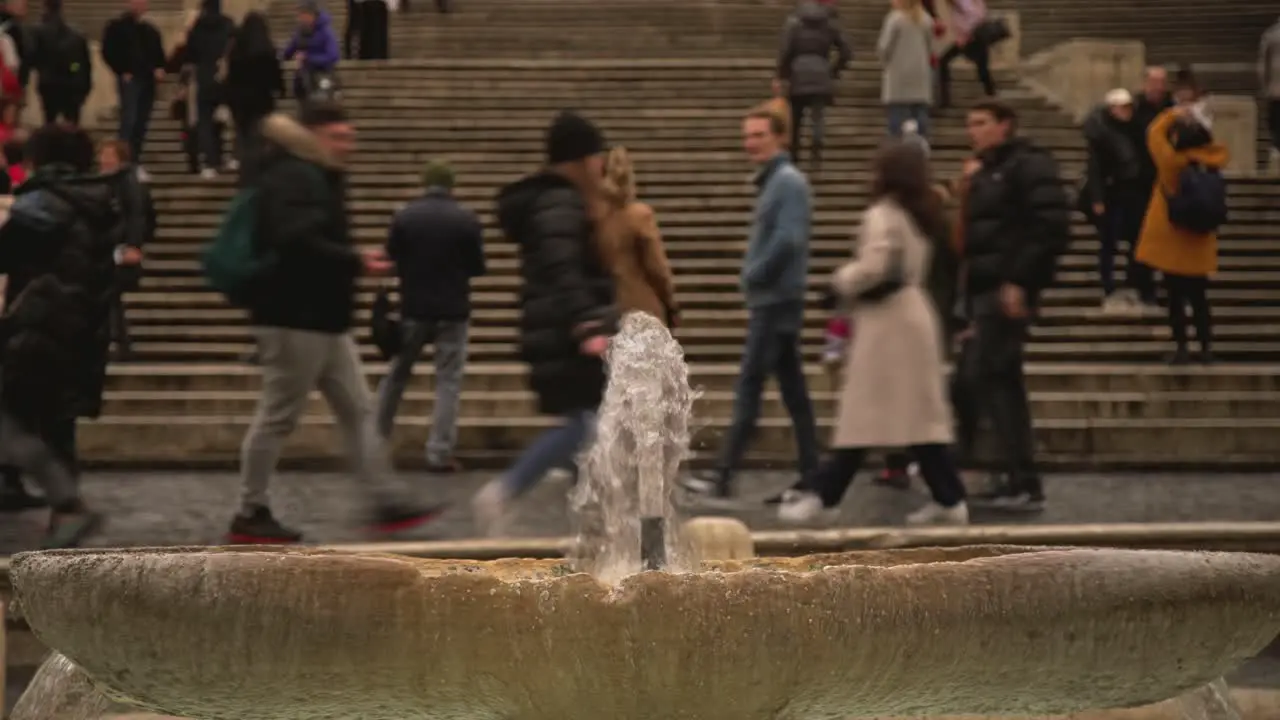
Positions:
(1176, 139)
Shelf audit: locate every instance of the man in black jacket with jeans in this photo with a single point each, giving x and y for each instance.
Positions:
(132, 48)
(301, 309)
(437, 246)
(1016, 224)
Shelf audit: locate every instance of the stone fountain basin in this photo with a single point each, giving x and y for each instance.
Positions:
(234, 633)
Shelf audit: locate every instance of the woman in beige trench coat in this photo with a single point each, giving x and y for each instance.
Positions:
(893, 392)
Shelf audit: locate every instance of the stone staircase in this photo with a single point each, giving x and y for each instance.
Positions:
(1100, 395)
(480, 87)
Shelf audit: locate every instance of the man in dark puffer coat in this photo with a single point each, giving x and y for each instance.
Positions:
(566, 301)
(58, 249)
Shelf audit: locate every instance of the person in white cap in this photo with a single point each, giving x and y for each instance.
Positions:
(1114, 201)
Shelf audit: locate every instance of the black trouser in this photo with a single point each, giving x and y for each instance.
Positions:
(975, 52)
(1118, 227)
(61, 437)
(246, 125)
(815, 106)
(1186, 290)
(350, 35)
(119, 325)
(836, 473)
(60, 103)
(990, 379)
(374, 43)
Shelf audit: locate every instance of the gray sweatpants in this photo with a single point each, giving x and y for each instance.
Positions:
(295, 362)
(450, 341)
(31, 453)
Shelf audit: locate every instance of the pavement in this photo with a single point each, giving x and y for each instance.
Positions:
(194, 508)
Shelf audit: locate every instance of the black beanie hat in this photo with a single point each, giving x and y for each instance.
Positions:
(572, 137)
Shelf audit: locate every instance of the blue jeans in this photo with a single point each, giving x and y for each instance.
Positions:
(553, 449)
(899, 113)
(772, 349)
(136, 98)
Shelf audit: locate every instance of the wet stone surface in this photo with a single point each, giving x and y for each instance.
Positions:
(177, 508)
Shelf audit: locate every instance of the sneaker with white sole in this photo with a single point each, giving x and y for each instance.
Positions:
(802, 506)
(489, 506)
(208, 174)
(935, 514)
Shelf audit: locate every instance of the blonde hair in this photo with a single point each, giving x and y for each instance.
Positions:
(619, 176)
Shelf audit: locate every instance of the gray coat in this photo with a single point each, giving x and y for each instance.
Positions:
(905, 49)
(1269, 62)
(804, 61)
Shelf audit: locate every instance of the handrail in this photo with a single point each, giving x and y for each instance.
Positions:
(1222, 536)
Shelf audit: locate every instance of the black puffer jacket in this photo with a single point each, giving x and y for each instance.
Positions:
(567, 292)
(58, 249)
(303, 233)
(1114, 163)
(1017, 220)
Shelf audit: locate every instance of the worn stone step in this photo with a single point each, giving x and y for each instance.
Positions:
(1265, 349)
(1054, 297)
(420, 403)
(194, 440)
(1256, 317)
(511, 376)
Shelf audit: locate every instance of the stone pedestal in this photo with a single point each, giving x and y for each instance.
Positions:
(1235, 124)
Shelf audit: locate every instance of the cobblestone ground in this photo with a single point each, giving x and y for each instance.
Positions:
(170, 509)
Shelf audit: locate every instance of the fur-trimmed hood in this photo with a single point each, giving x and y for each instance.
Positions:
(297, 140)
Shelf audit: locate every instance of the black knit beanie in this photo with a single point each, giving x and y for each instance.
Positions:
(572, 137)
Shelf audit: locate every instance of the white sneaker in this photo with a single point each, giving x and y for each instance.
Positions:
(935, 514)
(208, 173)
(143, 175)
(489, 506)
(232, 165)
(801, 506)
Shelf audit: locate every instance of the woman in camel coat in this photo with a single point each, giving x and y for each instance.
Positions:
(631, 245)
(1177, 138)
(894, 390)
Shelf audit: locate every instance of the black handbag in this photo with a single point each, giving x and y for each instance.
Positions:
(992, 31)
(385, 326)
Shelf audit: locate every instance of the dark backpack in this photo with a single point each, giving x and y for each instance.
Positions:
(1199, 204)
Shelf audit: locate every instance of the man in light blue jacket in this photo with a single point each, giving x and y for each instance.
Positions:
(774, 279)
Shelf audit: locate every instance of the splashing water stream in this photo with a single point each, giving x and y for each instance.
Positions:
(628, 473)
(60, 691)
(1211, 702)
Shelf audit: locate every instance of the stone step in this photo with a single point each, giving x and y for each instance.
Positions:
(1258, 318)
(728, 282)
(193, 440)
(503, 260)
(1085, 378)
(731, 299)
(481, 404)
(1049, 349)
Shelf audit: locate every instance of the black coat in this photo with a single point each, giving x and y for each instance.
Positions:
(132, 46)
(1144, 112)
(1017, 220)
(303, 234)
(253, 84)
(1113, 166)
(55, 51)
(139, 213)
(58, 249)
(567, 292)
(438, 246)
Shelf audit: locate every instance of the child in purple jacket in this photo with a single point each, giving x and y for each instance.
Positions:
(314, 44)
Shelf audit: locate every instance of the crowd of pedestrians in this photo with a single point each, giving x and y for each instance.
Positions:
(939, 269)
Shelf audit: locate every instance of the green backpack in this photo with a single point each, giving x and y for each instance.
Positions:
(232, 261)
